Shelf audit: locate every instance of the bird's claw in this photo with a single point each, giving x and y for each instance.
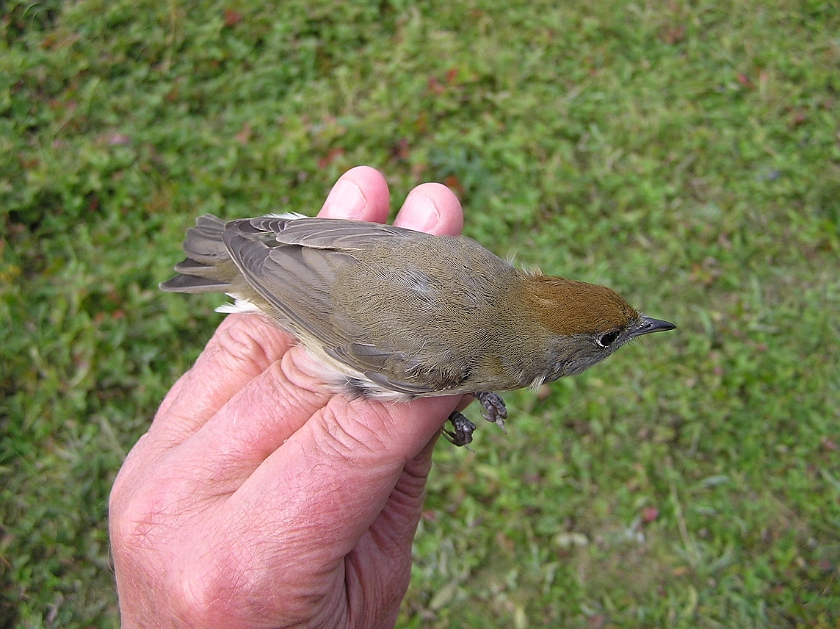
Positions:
(462, 429)
(493, 408)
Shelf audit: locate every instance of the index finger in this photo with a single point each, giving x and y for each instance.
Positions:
(360, 194)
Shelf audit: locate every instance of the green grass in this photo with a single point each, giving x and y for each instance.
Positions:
(685, 153)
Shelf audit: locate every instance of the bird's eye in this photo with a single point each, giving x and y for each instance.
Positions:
(605, 340)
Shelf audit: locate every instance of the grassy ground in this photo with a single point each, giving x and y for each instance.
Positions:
(685, 153)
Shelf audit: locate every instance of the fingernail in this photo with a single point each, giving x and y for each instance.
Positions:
(419, 214)
(344, 201)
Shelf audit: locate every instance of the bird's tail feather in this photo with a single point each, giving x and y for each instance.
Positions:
(208, 267)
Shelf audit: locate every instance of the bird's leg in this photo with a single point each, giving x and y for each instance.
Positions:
(462, 429)
(493, 408)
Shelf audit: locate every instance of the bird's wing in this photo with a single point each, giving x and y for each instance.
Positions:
(319, 233)
(294, 278)
(293, 265)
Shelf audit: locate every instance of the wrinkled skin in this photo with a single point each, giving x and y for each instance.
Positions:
(258, 500)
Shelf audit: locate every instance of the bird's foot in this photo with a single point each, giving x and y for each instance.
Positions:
(493, 408)
(462, 429)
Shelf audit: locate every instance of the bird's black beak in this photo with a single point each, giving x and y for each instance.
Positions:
(647, 326)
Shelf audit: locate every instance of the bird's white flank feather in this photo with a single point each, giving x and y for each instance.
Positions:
(238, 306)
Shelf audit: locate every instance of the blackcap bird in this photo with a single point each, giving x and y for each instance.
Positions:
(393, 314)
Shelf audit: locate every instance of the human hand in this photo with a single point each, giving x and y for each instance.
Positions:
(257, 499)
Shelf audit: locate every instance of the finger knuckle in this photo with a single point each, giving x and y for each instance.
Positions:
(352, 433)
(238, 347)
